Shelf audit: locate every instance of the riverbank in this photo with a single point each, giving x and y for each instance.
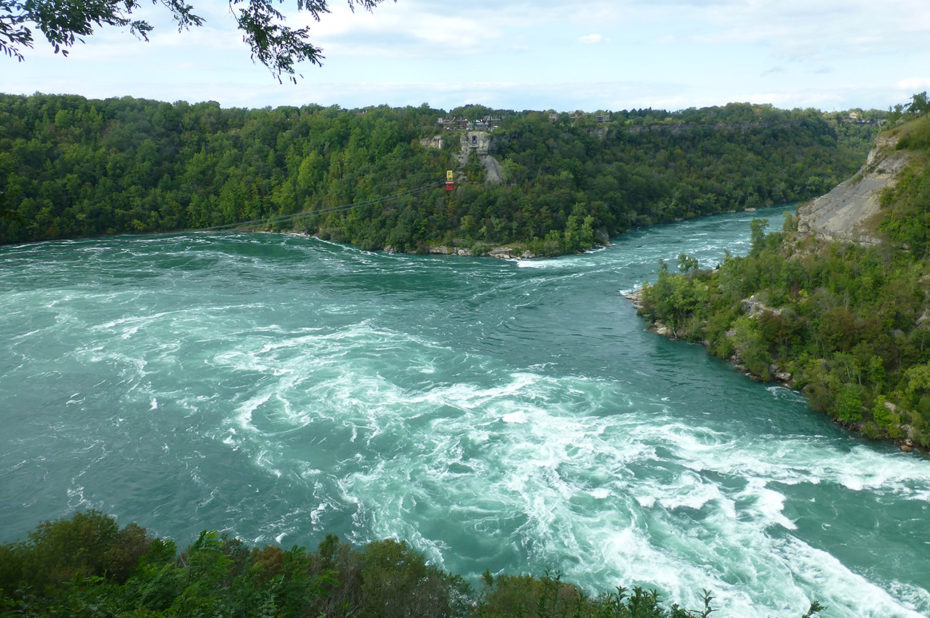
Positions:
(836, 304)
(782, 370)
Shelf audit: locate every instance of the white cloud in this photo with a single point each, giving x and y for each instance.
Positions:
(914, 84)
(593, 39)
(400, 30)
(805, 31)
(521, 54)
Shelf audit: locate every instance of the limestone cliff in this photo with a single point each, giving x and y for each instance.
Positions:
(849, 211)
(479, 142)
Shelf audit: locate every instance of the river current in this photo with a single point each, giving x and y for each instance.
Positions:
(502, 415)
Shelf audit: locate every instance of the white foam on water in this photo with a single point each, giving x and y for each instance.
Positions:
(472, 456)
(646, 501)
(630, 553)
(76, 499)
(844, 592)
(768, 503)
(784, 393)
(318, 512)
(690, 491)
(266, 462)
(910, 596)
(245, 410)
(209, 498)
(542, 263)
(793, 460)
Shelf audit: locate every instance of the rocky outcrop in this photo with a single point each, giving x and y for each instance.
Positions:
(636, 298)
(492, 169)
(752, 306)
(444, 250)
(432, 142)
(479, 142)
(501, 253)
(511, 253)
(655, 326)
(850, 210)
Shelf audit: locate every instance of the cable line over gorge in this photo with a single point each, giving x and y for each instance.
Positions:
(306, 214)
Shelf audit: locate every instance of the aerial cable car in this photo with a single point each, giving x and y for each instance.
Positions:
(450, 180)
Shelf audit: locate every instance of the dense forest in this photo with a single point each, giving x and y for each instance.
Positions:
(88, 566)
(73, 167)
(849, 323)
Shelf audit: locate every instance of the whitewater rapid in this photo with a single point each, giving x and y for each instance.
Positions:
(502, 415)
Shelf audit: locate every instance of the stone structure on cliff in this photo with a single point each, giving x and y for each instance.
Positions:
(479, 142)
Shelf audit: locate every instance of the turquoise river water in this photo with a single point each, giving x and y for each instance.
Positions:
(502, 415)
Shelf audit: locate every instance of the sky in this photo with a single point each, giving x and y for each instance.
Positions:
(545, 54)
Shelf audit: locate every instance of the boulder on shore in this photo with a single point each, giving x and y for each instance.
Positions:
(501, 252)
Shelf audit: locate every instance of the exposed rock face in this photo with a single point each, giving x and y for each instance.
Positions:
(492, 168)
(432, 142)
(479, 142)
(444, 250)
(848, 211)
(753, 306)
(636, 297)
(503, 253)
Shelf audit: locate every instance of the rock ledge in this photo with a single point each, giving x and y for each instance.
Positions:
(848, 211)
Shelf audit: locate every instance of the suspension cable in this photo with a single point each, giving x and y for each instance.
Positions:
(281, 219)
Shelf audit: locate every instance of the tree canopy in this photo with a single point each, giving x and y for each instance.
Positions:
(88, 566)
(72, 167)
(846, 324)
(63, 22)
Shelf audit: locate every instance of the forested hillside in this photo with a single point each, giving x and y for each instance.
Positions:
(73, 167)
(847, 324)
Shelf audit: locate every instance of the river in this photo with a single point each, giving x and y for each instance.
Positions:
(502, 415)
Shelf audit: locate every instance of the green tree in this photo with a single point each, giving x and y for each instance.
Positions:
(274, 44)
(849, 403)
(919, 103)
(687, 263)
(757, 234)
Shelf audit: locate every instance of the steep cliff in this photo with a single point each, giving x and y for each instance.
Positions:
(850, 211)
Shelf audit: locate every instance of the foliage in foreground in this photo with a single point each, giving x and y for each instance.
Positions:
(88, 566)
(850, 324)
(275, 44)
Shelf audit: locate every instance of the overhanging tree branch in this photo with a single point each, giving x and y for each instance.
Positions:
(64, 22)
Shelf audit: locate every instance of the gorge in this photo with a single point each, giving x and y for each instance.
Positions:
(501, 415)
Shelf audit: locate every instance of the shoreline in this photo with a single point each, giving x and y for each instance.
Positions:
(501, 252)
(783, 379)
